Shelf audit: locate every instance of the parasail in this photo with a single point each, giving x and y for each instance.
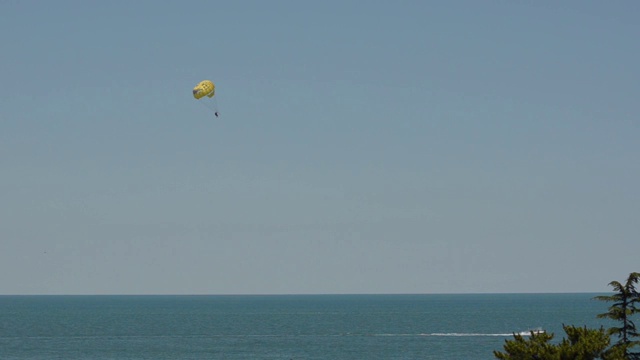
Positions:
(205, 92)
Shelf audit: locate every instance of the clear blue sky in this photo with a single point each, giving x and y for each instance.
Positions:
(363, 146)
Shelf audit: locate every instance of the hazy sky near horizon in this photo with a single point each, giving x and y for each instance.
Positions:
(363, 146)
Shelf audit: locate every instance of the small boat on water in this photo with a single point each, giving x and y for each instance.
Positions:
(532, 331)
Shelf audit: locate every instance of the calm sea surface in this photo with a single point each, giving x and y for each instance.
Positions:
(281, 327)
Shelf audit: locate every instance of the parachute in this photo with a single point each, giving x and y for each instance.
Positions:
(205, 92)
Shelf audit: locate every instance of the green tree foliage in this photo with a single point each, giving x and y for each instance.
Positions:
(584, 343)
(535, 347)
(580, 344)
(625, 304)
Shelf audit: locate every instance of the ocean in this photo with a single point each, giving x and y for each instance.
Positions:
(468, 326)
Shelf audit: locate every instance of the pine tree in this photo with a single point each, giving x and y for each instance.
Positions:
(625, 304)
(536, 347)
(580, 344)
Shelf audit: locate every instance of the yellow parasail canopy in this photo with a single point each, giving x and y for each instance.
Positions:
(204, 88)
